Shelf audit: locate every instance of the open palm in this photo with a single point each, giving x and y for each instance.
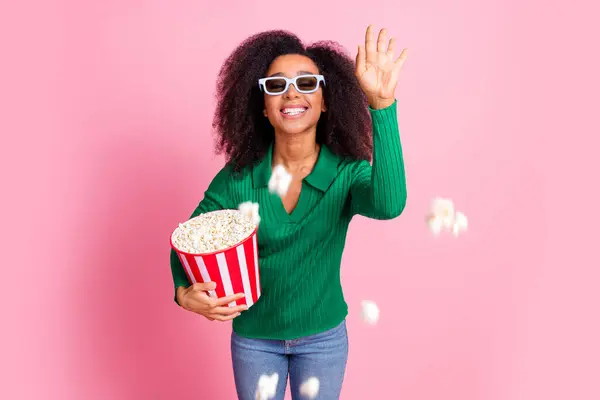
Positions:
(376, 69)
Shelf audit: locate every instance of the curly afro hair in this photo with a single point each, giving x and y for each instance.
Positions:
(244, 134)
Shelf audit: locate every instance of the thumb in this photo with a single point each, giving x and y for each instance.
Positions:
(361, 60)
(202, 286)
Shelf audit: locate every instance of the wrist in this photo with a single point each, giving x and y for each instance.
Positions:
(180, 292)
(381, 103)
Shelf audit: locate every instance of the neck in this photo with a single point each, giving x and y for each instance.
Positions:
(295, 151)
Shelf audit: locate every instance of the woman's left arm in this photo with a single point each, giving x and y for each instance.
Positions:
(379, 191)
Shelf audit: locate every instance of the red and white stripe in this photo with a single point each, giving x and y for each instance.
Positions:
(234, 270)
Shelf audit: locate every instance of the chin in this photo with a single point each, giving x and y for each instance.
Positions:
(296, 129)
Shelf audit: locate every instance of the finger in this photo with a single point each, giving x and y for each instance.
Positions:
(370, 43)
(401, 58)
(204, 286)
(202, 301)
(382, 41)
(226, 300)
(225, 317)
(391, 48)
(361, 60)
(228, 310)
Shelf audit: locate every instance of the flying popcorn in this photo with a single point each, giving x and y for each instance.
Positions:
(442, 216)
(310, 388)
(250, 210)
(460, 223)
(280, 180)
(369, 312)
(435, 224)
(267, 386)
(443, 209)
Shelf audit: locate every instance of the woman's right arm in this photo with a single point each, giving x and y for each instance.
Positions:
(216, 197)
(195, 299)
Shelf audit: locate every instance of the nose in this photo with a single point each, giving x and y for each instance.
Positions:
(291, 93)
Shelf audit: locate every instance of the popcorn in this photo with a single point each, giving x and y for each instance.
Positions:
(442, 215)
(435, 224)
(460, 224)
(444, 210)
(212, 231)
(267, 387)
(369, 312)
(280, 180)
(250, 210)
(310, 388)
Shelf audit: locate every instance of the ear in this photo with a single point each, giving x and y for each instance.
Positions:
(323, 106)
(265, 112)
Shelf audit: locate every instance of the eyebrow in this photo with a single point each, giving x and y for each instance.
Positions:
(297, 73)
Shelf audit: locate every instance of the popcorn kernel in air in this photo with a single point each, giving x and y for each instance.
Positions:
(310, 388)
(280, 180)
(250, 210)
(369, 312)
(267, 386)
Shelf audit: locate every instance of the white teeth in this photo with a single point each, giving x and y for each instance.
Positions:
(293, 111)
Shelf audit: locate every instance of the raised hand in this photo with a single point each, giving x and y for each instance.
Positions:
(376, 69)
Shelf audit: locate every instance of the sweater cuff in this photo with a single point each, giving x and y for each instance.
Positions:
(385, 120)
(378, 110)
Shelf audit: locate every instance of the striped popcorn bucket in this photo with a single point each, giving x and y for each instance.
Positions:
(235, 270)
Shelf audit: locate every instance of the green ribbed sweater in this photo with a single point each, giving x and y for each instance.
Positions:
(300, 252)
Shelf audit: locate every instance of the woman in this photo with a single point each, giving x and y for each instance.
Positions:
(323, 117)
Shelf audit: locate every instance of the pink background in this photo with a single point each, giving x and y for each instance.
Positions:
(106, 146)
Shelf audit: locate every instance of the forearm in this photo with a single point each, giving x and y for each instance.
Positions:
(379, 191)
(216, 197)
(180, 279)
(178, 293)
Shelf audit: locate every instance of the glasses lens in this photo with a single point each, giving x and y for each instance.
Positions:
(275, 85)
(307, 83)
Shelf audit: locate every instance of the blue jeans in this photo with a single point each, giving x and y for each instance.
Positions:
(323, 355)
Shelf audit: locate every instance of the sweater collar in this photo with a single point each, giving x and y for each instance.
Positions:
(323, 173)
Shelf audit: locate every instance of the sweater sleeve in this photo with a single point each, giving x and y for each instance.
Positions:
(379, 191)
(215, 198)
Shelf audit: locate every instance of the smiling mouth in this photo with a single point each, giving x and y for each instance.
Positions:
(291, 111)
